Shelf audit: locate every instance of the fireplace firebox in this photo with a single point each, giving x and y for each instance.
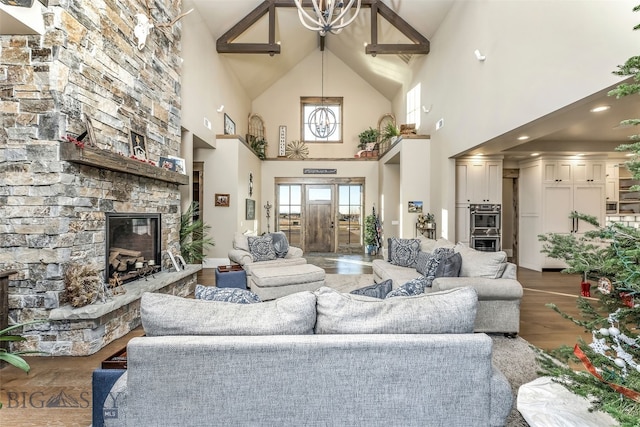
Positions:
(133, 243)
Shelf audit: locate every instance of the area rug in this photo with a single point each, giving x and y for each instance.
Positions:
(514, 357)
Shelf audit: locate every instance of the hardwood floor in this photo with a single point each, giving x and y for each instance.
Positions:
(57, 391)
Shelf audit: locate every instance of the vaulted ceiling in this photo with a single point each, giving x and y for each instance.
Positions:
(257, 72)
(570, 130)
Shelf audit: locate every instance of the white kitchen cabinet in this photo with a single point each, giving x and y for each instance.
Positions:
(574, 171)
(479, 181)
(557, 171)
(551, 189)
(589, 171)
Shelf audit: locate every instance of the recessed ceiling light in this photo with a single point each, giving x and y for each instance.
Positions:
(535, 154)
(523, 137)
(600, 108)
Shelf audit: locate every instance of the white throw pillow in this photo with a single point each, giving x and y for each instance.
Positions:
(481, 264)
(240, 241)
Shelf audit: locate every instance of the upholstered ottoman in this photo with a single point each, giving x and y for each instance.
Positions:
(275, 282)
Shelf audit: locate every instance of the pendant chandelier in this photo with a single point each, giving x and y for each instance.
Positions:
(322, 120)
(328, 15)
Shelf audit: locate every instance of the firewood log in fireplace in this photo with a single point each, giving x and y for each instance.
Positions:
(124, 259)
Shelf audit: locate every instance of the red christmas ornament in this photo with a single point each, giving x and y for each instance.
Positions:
(585, 290)
(627, 299)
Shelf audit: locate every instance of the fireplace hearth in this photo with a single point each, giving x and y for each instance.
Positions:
(133, 246)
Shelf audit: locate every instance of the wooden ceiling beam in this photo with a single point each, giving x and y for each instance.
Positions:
(420, 44)
(225, 44)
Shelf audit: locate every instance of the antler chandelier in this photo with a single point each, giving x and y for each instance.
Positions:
(329, 15)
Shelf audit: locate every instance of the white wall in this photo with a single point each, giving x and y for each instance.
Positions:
(227, 172)
(207, 83)
(405, 175)
(541, 56)
(280, 104)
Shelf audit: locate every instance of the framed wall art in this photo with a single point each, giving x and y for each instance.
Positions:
(138, 146)
(91, 134)
(229, 125)
(251, 209)
(415, 207)
(222, 200)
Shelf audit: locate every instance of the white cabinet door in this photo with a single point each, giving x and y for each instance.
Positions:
(556, 171)
(589, 199)
(557, 205)
(463, 194)
(493, 189)
(463, 224)
(477, 183)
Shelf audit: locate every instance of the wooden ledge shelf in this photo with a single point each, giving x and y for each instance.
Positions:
(103, 159)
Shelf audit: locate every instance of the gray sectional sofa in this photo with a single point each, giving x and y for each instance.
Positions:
(319, 358)
(489, 273)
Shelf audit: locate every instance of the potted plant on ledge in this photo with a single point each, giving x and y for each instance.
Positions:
(368, 140)
(390, 134)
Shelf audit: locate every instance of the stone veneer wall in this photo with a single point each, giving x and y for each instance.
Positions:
(51, 211)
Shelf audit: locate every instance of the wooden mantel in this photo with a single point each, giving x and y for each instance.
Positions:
(103, 159)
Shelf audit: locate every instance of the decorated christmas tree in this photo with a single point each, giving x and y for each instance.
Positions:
(608, 258)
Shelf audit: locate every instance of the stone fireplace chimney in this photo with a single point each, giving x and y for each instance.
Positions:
(85, 68)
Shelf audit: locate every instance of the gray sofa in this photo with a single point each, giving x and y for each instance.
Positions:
(493, 278)
(312, 359)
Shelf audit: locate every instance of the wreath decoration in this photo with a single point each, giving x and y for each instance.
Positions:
(297, 150)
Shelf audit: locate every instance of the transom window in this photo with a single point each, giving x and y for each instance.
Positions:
(413, 106)
(321, 119)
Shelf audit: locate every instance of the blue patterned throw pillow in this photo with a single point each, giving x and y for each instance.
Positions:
(412, 287)
(280, 244)
(261, 248)
(238, 296)
(377, 290)
(428, 270)
(404, 252)
(449, 266)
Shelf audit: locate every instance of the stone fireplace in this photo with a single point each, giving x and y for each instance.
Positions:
(86, 72)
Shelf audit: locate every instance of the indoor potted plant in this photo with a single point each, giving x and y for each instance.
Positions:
(390, 133)
(368, 139)
(370, 234)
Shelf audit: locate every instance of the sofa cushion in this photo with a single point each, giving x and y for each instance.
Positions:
(403, 252)
(412, 287)
(236, 295)
(481, 264)
(261, 248)
(280, 244)
(162, 314)
(444, 312)
(449, 266)
(377, 290)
